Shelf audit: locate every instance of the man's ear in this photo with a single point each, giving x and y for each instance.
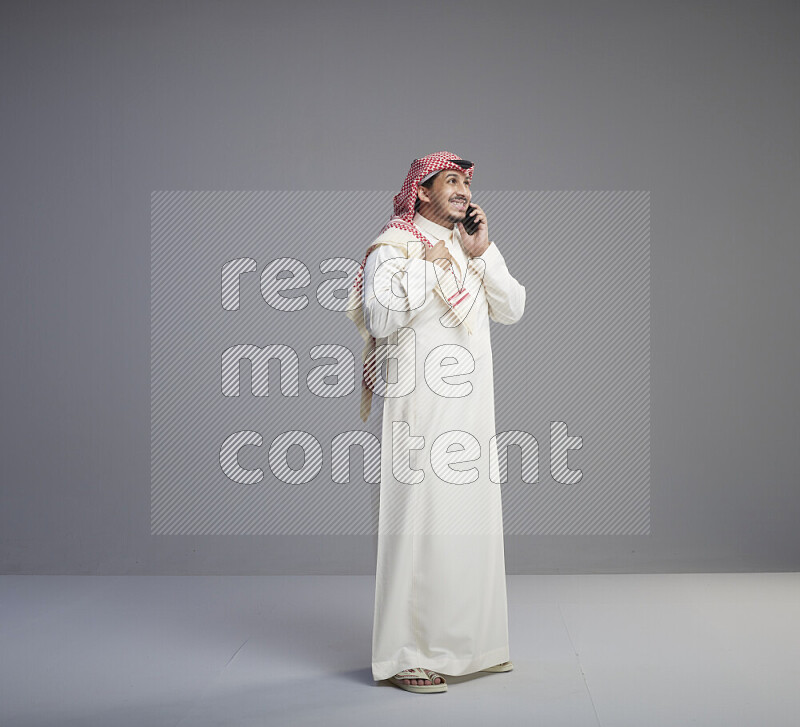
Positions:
(423, 194)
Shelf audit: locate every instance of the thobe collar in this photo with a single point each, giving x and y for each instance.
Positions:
(438, 232)
(451, 237)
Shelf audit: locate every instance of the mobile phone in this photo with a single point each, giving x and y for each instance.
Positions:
(470, 225)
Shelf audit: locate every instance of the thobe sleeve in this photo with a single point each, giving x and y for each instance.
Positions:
(505, 295)
(412, 290)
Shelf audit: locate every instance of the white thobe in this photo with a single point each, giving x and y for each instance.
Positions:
(440, 596)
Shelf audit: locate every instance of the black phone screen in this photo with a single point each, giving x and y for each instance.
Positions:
(470, 225)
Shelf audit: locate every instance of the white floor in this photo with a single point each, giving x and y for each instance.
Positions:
(611, 650)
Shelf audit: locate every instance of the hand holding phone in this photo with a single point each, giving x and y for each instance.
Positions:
(475, 235)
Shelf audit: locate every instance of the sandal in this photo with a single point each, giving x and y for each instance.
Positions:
(419, 673)
(505, 666)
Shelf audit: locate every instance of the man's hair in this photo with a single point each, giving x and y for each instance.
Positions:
(428, 183)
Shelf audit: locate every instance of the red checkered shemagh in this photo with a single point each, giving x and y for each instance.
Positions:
(402, 218)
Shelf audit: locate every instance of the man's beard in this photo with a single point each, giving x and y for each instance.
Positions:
(456, 216)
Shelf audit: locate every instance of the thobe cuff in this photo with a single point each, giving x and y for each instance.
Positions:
(491, 256)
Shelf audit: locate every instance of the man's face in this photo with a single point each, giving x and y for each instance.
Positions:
(447, 199)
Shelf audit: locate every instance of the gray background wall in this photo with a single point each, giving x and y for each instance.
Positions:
(104, 102)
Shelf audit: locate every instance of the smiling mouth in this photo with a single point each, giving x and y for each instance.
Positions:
(459, 203)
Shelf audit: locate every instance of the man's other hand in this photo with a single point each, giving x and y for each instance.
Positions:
(439, 254)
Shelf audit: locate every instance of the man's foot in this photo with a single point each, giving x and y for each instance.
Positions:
(420, 680)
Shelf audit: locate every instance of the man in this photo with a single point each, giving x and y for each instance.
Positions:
(423, 302)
